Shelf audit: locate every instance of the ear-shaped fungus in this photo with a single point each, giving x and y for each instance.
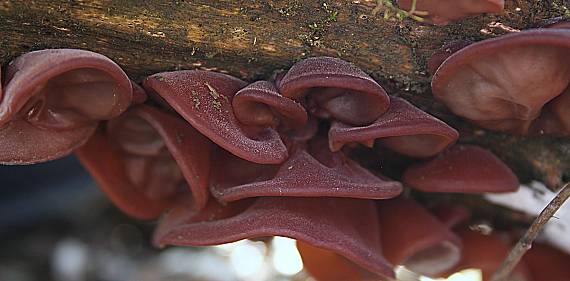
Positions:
(462, 169)
(260, 104)
(312, 171)
(326, 265)
(335, 89)
(404, 128)
(204, 99)
(451, 215)
(546, 263)
(148, 158)
(413, 237)
(53, 100)
(504, 83)
(442, 12)
(345, 226)
(486, 253)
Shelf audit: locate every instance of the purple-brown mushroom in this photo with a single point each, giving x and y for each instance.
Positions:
(546, 263)
(442, 12)
(342, 225)
(404, 128)
(311, 171)
(225, 160)
(52, 101)
(486, 253)
(331, 88)
(146, 159)
(462, 169)
(516, 83)
(413, 237)
(260, 105)
(204, 99)
(326, 265)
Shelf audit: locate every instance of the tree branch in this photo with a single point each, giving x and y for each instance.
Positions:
(525, 243)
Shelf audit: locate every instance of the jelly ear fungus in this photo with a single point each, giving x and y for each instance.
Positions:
(205, 99)
(147, 159)
(53, 100)
(516, 83)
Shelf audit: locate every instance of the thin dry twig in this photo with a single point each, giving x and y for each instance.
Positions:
(390, 10)
(525, 243)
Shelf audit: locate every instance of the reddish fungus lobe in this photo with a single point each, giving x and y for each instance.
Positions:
(442, 12)
(451, 215)
(335, 89)
(326, 265)
(204, 100)
(53, 100)
(504, 83)
(157, 156)
(462, 169)
(487, 252)
(260, 104)
(404, 128)
(311, 171)
(414, 238)
(546, 263)
(345, 226)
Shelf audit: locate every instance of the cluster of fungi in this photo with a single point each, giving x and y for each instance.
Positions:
(219, 160)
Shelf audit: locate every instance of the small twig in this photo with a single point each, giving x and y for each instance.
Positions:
(525, 243)
(388, 7)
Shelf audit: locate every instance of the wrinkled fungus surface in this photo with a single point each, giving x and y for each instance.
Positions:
(221, 159)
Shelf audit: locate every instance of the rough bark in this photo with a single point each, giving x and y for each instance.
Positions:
(253, 39)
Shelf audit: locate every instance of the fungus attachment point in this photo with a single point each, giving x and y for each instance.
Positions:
(311, 171)
(345, 226)
(414, 238)
(335, 89)
(204, 99)
(147, 159)
(462, 169)
(404, 129)
(53, 100)
(504, 83)
(442, 12)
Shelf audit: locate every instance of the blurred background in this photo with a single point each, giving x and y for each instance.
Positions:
(56, 225)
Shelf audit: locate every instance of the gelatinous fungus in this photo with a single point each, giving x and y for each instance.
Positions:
(335, 89)
(413, 237)
(224, 160)
(311, 171)
(53, 100)
(204, 99)
(452, 172)
(546, 263)
(343, 225)
(146, 158)
(404, 128)
(516, 83)
(486, 253)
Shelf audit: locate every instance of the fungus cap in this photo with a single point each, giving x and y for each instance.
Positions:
(204, 99)
(504, 83)
(52, 101)
(462, 169)
(335, 89)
